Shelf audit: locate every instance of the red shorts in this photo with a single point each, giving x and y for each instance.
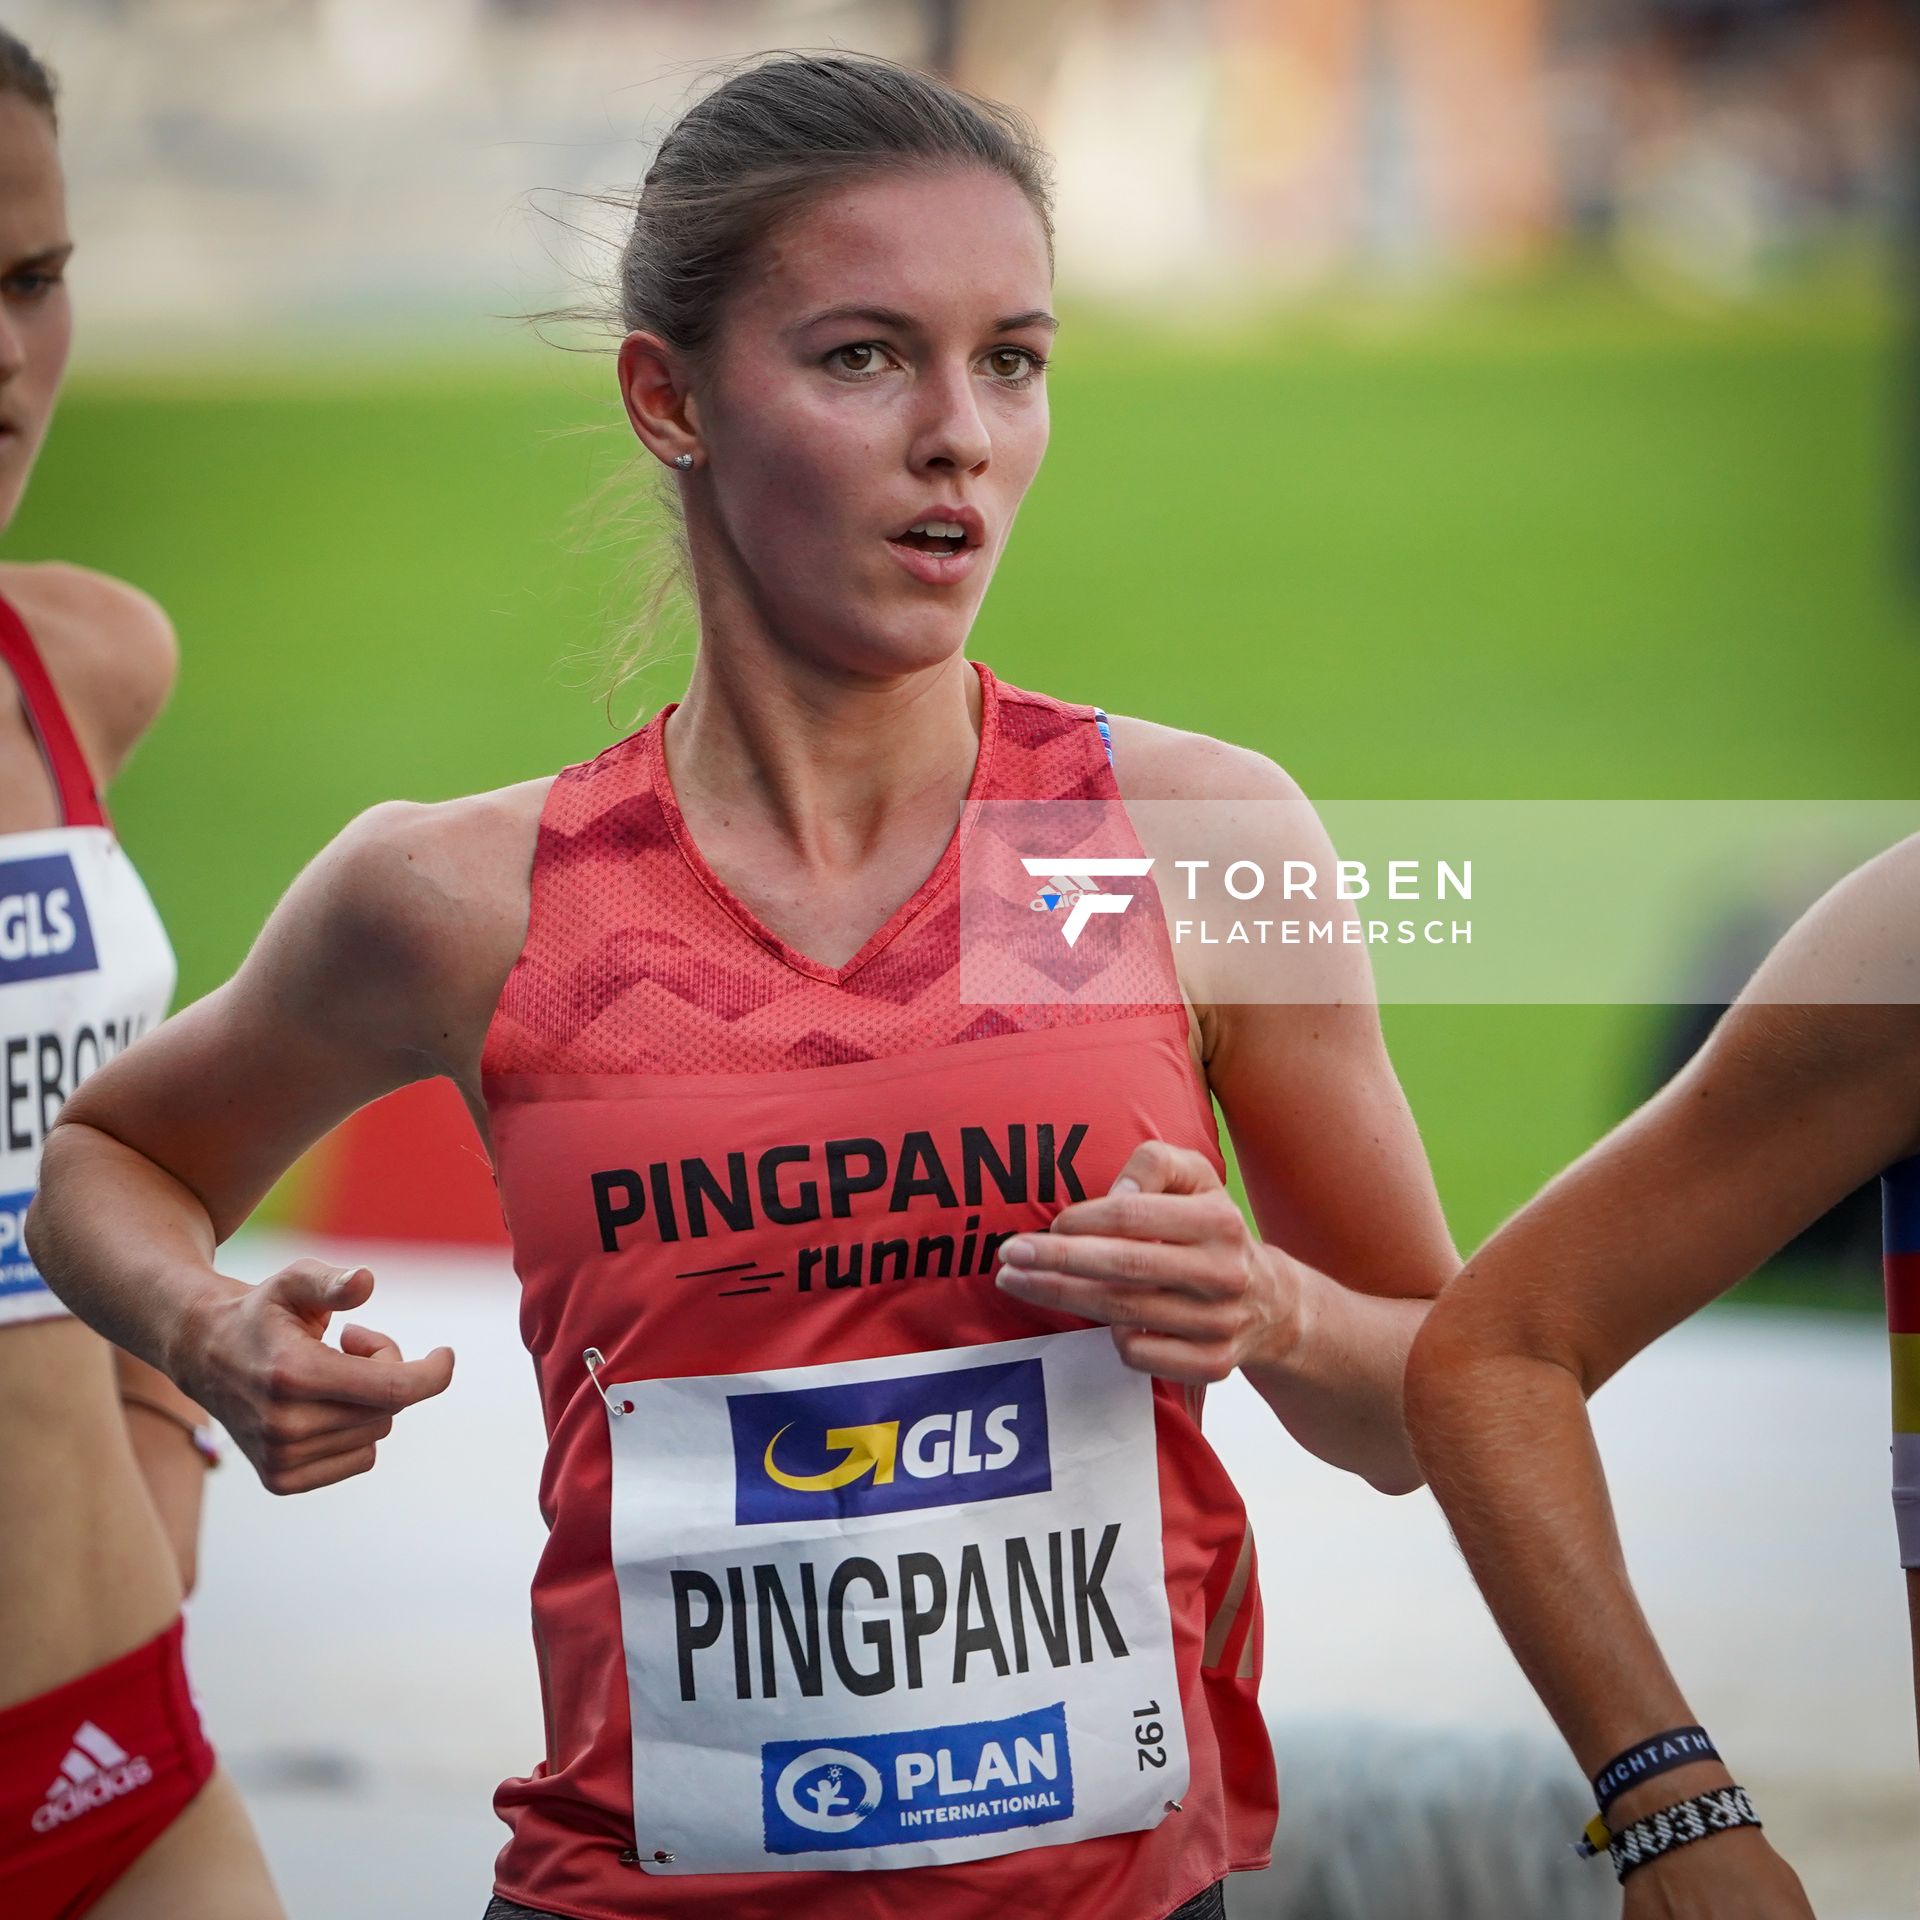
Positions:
(91, 1775)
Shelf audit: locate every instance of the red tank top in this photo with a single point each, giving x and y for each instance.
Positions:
(719, 1160)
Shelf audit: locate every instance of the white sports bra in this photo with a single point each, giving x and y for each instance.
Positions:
(85, 965)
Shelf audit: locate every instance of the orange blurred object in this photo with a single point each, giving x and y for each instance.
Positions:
(408, 1167)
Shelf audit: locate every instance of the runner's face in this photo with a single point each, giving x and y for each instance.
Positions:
(36, 324)
(826, 438)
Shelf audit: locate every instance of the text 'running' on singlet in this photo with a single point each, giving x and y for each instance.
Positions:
(85, 965)
(869, 1589)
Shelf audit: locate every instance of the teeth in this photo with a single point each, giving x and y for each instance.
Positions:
(947, 529)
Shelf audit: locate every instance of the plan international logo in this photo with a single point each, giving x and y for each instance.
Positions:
(887, 1446)
(874, 1790)
(1073, 883)
(18, 1274)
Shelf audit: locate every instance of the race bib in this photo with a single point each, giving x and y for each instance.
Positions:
(85, 970)
(896, 1612)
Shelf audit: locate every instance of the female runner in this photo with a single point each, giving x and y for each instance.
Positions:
(1808, 1086)
(877, 1582)
(112, 1803)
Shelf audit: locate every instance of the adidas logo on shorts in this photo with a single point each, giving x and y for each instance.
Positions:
(97, 1769)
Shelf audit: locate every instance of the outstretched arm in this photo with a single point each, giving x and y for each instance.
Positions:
(1785, 1110)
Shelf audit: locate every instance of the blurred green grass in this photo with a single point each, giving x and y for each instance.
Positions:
(1564, 546)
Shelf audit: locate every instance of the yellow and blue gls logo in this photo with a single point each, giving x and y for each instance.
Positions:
(883, 1446)
(44, 929)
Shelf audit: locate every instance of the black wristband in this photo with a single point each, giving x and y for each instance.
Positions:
(1677, 1747)
(1720, 1811)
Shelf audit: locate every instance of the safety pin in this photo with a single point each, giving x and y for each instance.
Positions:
(595, 1360)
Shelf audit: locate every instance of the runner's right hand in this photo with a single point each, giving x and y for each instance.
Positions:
(306, 1414)
(1730, 1876)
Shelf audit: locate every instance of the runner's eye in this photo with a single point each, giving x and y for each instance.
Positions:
(861, 360)
(1012, 375)
(33, 284)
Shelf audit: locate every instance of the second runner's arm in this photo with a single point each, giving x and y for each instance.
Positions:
(1786, 1109)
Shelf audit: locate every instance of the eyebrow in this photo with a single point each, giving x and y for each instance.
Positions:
(46, 257)
(906, 323)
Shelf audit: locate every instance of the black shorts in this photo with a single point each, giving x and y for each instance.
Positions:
(1210, 1905)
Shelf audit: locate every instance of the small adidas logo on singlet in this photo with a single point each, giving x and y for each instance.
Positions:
(97, 1769)
(1075, 882)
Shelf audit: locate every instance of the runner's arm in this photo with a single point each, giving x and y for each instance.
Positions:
(1338, 1182)
(1787, 1108)
(367, 976)
(1320, 1309)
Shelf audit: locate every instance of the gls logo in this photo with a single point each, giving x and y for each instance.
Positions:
(1073, 880)
(884, 1446)
(44, 927)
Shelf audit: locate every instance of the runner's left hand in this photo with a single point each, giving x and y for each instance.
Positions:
(1166, 1260)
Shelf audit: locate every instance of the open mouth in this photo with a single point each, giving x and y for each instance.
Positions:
(932, 539)
(944, 530)
(939, 548)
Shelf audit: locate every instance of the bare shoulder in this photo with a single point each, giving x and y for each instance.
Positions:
(426, 879)
(1202, 807)
(413, 915)
(1858, 944)
(1155, 762)
(1839, 995)
(109, 647)
(1194, 798)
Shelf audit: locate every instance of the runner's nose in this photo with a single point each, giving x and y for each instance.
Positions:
(953, 435)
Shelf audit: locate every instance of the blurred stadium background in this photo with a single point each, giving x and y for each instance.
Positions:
(1507, 399)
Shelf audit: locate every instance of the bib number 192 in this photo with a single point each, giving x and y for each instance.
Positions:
(1149, 1736)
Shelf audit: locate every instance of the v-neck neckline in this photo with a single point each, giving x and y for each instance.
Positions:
(751, 923)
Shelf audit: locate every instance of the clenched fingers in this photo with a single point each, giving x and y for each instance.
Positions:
(1192, 1363)
(1187, 1218)
(323, 1472)
(1157, 1166)
(281, 1453)
(310, 1370)
(1207, 1273)
(1179, 1314)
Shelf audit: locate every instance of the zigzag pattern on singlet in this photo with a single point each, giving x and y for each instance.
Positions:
(636, 965)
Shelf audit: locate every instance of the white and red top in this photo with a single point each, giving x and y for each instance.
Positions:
(85, 965)
(855, 1562)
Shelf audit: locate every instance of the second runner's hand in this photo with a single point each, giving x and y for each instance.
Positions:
(1730, 1876)
(306, 1414)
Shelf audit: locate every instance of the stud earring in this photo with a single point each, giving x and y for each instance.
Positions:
(683, 461)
